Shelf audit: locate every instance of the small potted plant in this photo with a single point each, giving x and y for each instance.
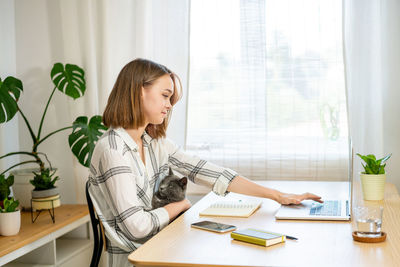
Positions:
(373, 178)
(69, 80)
(10, 217)
(45, 194)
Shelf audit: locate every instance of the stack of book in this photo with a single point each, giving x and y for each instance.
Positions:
(258, 237)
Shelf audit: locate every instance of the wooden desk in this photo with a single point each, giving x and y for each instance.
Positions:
(321, 243)
(34, 235)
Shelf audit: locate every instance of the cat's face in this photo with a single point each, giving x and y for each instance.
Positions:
(173, 186)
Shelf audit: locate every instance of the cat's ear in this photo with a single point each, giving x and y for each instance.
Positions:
(183, 181)
(170, 171)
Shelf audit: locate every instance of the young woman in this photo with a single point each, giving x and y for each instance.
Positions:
(133, 156)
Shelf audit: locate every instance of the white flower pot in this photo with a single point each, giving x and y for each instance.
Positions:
(10, 223)
(373, 186)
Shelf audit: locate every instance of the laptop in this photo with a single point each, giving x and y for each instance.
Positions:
(334, 209)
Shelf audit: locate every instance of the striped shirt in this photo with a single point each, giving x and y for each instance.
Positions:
(122, 186)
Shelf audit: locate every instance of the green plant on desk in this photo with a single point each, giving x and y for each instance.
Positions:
(373, 178)
(10, 205)
(372, 165)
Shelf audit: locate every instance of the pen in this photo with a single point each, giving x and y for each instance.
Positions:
(291, 237)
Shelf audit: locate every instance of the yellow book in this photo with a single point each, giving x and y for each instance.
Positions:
(258, 237)
(231, 208)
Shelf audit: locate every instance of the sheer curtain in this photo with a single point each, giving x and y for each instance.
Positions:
(266, 88)
(372, 41)
(100, 36)
(8, 138)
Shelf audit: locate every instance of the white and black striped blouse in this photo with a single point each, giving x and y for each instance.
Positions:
(122, 187)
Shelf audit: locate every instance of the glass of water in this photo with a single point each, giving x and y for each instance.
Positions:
(369, 221)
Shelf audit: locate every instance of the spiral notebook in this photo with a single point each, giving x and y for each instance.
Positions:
(231, 209)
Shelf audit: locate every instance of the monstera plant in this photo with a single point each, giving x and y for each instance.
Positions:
(69, 80)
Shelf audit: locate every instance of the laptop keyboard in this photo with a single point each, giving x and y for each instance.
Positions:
(328, 208)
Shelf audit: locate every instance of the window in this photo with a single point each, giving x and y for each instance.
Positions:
(266, 88)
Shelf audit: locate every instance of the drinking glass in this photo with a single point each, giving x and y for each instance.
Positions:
(368, 221)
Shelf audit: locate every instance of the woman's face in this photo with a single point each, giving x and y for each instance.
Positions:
(156, 100)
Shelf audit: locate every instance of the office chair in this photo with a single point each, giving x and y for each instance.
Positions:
(97, 231)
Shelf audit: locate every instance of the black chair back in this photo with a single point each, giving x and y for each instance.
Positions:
(97, 231)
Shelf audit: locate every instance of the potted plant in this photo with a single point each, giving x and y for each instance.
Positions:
(373, 178)
(10, 217)
(69, 80)
(45, 194)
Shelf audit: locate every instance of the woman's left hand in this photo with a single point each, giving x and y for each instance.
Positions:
(287, 199)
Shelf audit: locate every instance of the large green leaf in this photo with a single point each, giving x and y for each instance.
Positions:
(84, 137)
(69, 80)
(10, 90)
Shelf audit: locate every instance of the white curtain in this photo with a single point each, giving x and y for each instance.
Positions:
(266, 88)
(8, 138)
(372, 57)
(101, 36)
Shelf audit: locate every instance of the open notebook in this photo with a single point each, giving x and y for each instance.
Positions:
(231, 208)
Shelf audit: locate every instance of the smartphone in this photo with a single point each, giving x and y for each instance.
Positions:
(213, 226)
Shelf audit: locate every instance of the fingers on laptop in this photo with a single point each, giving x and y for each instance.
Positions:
(313, 197)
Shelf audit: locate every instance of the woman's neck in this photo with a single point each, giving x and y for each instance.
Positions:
(136, 134)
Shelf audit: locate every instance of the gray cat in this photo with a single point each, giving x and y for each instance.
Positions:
(172, 189)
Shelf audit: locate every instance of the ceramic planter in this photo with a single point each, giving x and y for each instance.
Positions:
(373, 186)
(46, 203)
(45, 199)
(10, 223)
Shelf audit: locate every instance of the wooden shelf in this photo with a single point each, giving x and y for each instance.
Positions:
(43, 226)
(68, 248)
(45, 244)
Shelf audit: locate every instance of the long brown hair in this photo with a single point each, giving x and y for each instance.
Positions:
(124, 106)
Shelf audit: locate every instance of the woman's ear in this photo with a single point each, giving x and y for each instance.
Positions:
(142, 92)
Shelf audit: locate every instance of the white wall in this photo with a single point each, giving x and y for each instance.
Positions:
(35, 28)
(100, 36)
(8, 132)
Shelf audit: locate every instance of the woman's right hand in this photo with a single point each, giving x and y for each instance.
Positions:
(288, 199)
